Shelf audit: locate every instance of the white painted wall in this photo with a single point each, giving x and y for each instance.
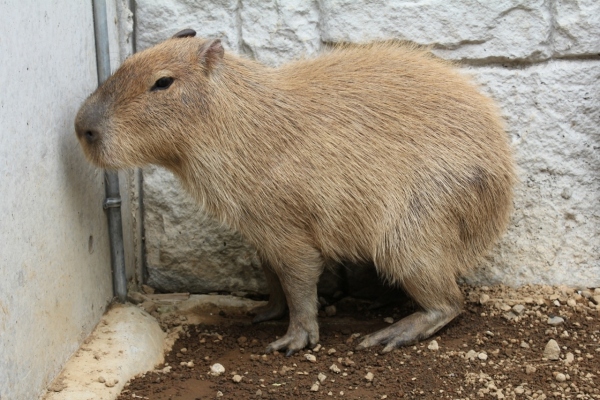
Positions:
(539, 59)
(54, 254)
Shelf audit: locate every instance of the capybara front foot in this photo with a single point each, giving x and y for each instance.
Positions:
(268, 312)
(296, 339)
(409, 330)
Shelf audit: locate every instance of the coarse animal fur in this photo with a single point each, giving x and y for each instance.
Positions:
(378, 152)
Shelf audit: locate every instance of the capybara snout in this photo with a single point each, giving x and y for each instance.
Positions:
(377, 152)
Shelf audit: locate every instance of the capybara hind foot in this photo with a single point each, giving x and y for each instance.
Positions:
(296, 338)
(268, 312)
(409, 330)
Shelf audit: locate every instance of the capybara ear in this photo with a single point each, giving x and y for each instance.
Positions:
(211, 53)
(185, 33)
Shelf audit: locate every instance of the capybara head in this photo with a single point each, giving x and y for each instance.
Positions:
(132, 119)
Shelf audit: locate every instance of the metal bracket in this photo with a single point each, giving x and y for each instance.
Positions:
(111, 202)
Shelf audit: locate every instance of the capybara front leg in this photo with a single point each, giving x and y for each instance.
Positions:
(277, 305)
(299, 284)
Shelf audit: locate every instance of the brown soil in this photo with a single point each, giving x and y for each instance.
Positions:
(492, 350)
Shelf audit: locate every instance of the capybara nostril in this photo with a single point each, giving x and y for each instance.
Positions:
(91, 136)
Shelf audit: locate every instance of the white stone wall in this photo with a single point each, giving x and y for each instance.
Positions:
(539, 59)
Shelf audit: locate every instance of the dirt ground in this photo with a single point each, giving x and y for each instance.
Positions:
(507, 344)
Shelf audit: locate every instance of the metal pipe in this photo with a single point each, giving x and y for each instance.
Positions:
(112, 203)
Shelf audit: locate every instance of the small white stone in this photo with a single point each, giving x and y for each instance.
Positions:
(331, 351)
(369, 376)
(321, 377)
(335, 368)
(519, 390)
(237, 378)
(529, 369)
(314, 387)
(560, 377)
(219, 394)
(217, 369)
(555, 321)
(471, 355)
(524, 345)
(518, 309)
(571, 303)
(388, 320)
(317, 348)
(569, 358)
(433, 345)
(482, 356)
(552, 350)
(484, 298)
(310, 357)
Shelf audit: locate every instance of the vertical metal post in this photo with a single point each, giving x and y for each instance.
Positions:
(112, 203)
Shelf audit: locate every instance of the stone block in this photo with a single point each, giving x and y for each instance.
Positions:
(158, 20)
(576, 27)
(464, 30)
(552, 112)
(188, 252)
(277, 31)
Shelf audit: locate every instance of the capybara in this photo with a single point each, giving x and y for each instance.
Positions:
(377, 153)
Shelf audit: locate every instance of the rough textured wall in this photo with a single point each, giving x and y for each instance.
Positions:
(539, 59)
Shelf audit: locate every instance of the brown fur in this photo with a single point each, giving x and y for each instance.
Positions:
(377, 152)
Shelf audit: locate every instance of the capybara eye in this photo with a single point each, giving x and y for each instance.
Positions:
(162, 83)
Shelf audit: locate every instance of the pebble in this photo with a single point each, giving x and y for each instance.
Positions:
(330, 311)
(219, 394)
(571, 303)
(111, 382)
(311, 358)
(317, 348)
(560, 377)
(369, 376)
(242, 340)
(529, 369)
(555, 321)
(471, 355)
(519, 390)
(433, 345)
(518, 309)
(237, 378)
(315, 387)
(482, 356)
(217, 369)
(524, 345)
(569, 358)
(388, 320)
(552, 351)
(335, 368)
(259, 392)
(510, 316)
(101, 379)
(484, 298)
(321, 377)
(331, 351)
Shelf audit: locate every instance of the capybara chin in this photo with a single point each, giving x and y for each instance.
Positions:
(378, 152)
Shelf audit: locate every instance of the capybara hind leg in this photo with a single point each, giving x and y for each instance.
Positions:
(409, 330)
(299, 284)
(440, 300)
(277, 305)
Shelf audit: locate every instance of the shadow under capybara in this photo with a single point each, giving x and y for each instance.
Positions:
(377, 152)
